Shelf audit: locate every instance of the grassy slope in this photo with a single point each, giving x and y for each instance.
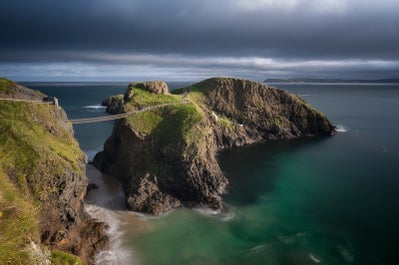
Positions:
(30, 156)
(197, 97)
(5, 86)
(143, 98)
(169, 124)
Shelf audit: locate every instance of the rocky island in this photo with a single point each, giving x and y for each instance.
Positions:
(42, 184)
(164, 152)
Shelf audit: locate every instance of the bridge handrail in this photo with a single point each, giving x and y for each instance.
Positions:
(123, 115)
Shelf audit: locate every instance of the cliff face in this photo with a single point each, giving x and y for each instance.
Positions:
(244, 112)
(43, 166)
(165, 157)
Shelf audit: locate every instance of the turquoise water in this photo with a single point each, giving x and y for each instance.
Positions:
(310, 201)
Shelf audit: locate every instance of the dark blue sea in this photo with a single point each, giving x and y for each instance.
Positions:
(308, 201)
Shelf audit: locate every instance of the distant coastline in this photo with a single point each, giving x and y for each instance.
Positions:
(338, 81)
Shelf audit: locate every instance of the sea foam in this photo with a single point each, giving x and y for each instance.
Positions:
(106, 204)
(313, 258)
(341, 128)
(94, 107)
(223, 216)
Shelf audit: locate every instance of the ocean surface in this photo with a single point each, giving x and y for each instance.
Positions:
(309, 201)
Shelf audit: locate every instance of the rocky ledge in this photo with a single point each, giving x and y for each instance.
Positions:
(166, 157)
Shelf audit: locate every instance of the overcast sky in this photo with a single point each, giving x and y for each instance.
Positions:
(124, 40)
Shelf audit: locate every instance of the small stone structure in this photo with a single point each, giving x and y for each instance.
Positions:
(52, 100)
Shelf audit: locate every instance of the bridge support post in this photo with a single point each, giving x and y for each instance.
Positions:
(55, 101)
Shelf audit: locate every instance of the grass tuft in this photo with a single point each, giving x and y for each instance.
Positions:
(62, 258)
(6, 86)
(18, 223)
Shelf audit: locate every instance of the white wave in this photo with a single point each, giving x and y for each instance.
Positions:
(223, 216)
(313, 258)
(341, 128)
(106, 204)
(94, 107)
(145, 216)
(227, 217)
(116, 254)
(256, 250)
(207, 211)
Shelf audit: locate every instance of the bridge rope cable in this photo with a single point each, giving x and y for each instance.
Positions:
(100, 118)
(121, 115)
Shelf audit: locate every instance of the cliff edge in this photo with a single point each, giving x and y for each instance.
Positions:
(42, 184)
(165, 152)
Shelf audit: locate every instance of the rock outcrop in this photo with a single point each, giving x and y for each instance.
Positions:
(254, 112)
(155, 87)
(44, 163)
(167, 157)
(114, 105)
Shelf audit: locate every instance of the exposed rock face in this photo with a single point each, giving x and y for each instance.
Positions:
(114, 105)
(146, 197)
(157, 176)
(160, 171)
(258, 112)
(155, 87)
(65, 224)
(52, 173)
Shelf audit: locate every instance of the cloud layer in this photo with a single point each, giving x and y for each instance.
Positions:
(254, 38)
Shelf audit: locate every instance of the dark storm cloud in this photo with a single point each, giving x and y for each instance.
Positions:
(180, 32)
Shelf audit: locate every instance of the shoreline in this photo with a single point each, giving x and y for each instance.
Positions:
(106, 204)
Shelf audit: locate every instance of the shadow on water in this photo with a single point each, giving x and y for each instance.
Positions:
(250, 168)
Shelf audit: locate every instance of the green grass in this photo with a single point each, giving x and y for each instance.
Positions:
(196, 94)
(6, 86)
(35, 152)
(169, 124)
(18, 223)
(116, 97)
(145, 122)
(143, 98)
(62, 258)
(28, 143)
(225, 122)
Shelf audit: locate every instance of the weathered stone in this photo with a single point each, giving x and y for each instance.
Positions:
(155, 87)
(128, 94)
(147, 198)
(114, 105)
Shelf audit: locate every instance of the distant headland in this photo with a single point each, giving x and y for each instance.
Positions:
(328, 80)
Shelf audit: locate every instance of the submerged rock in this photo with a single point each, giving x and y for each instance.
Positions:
(166, 157)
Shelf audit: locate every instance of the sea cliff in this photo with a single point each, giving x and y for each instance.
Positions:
(166, 156)
(42, 184)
